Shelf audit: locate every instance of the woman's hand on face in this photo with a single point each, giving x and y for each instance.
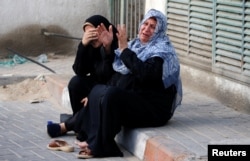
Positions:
(122, 37)
(89, 35)
(105, 36)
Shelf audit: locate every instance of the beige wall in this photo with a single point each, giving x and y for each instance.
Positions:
(23, 20)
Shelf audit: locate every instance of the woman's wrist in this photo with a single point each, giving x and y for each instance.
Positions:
(107, 49)
(122, 49)
(84, 43)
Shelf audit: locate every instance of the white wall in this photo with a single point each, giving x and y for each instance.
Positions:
(22, 21)
(156, 4)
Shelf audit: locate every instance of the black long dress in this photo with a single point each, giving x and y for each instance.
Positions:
(91, 66)
(134, 100)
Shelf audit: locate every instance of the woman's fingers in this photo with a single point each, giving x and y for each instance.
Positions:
(84, 101)
(102, 28)
(93, 35)
(121, 31)
(111, 29)
(122, 37)
(89, 36)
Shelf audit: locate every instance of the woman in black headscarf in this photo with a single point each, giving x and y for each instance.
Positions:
(93, 65)
(93, 62)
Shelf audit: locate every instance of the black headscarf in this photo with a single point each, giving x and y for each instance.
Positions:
(96, 20)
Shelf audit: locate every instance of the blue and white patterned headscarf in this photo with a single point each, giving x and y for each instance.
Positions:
(159, 45)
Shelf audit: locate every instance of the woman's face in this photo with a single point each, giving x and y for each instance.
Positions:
(95, 43)
(147, 30)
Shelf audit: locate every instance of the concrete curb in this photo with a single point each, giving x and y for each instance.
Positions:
(162, 148)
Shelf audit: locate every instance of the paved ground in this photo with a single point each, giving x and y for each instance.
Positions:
(23, 134)
(199, 121)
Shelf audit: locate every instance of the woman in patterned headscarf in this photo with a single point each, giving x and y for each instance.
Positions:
(144, 92)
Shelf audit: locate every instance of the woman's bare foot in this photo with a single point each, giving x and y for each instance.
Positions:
(85, 153)
(82, 145)
(63, 128)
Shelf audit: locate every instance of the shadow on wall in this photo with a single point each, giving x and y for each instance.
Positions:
(29, 41)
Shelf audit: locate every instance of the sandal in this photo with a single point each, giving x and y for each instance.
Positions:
(85, 154)
(60, 145)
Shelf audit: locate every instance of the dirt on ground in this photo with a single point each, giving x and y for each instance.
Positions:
(27, 81)
(32, 90)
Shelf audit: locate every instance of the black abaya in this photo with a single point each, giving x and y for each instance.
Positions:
(110, 108)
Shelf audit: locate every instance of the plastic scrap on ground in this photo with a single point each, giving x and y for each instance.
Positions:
(12, 60)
